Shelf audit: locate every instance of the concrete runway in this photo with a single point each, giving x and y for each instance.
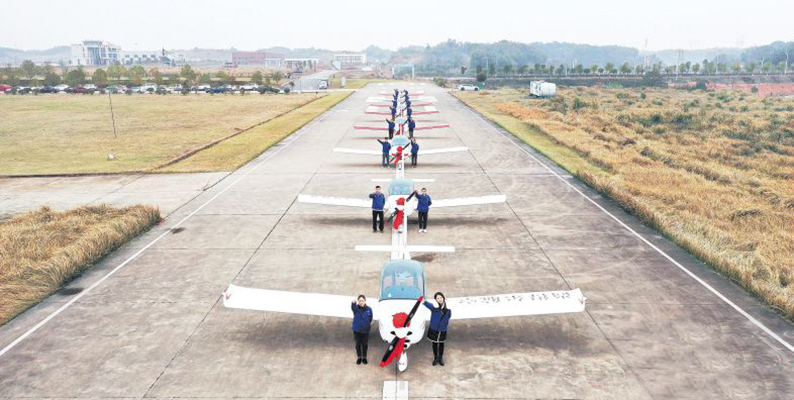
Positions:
(156, 326)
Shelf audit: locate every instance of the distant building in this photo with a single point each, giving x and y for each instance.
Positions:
(272, 60)
(140, 57)
(351, 58)
(292, 63)
(95, 52)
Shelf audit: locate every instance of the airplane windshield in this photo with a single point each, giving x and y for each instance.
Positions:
(401, 187)
(402, 280)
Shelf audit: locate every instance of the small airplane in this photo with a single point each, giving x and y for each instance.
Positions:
(400, 143)
(424, 110)
(401, 122)
(401, 321)
(414, 100)
(412, 93)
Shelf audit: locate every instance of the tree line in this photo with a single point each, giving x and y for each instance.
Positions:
(47, 75)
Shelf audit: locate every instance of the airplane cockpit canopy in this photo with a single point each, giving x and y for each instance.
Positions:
(402, 279)
(400, 141)
(401, 187)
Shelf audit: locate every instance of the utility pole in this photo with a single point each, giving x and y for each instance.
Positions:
(785, 67)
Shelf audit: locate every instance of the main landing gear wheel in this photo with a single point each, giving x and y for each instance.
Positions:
(402, 363)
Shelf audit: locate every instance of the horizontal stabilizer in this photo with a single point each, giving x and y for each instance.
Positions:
(426, 127)
(357, 151)
(411, 248)
(506, 305)
(443, 151)
(469, 201)
(372, 128)
(335, 201)
(327, 305)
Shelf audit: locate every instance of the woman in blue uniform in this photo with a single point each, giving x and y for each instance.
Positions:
(439, 322)
(362, 318)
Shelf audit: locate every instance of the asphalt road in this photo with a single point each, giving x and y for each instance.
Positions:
(312, 82)
(149, 321)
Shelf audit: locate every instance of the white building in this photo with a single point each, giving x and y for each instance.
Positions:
(95, 52)
(140, 57)
(351, 58)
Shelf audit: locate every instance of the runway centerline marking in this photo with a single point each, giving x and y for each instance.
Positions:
(727, 301)
(293, 138)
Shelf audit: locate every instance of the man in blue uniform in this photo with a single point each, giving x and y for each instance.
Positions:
(423, 207)
(414, 152)
(411, 127)
(393, 112)
(362, 319)
(386, 147)
(408, 111)
(391, 127)
(378, 202)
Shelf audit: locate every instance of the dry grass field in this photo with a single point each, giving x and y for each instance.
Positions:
(42, 250)
(714, 171)
(230, 154)
(69, 134)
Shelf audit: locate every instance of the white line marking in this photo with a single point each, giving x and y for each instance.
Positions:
(651, 245)
(395, 390)
(139, 252)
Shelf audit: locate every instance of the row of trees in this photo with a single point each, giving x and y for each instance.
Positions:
(118, 74)
(689, 68)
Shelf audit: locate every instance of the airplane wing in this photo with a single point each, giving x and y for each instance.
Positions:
(507, 305)
(328, 305)
(358, 151)
(373, 128)
(469, 201)
(442, 151)
(334, 201)
(421, 128)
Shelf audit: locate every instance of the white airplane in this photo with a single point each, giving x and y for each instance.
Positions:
(402, 322)
(400, 142)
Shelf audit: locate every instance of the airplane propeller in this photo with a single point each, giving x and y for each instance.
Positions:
(398, 344)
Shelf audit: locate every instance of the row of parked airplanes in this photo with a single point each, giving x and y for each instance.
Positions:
(402, 279)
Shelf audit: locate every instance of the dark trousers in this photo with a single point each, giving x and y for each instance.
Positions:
(377, 220)
(414, 157)
(362, 342)
(391, 133)
(422, 219)
(438, 351)
(410, 133)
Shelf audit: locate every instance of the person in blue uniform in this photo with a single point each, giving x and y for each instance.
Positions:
(411, 127)
(423, 208)
(408, 111)
(362, 320)
(391, 127)
(439, 323)
(393, 112)
(414, 152)
(386, 148)
(378, 203)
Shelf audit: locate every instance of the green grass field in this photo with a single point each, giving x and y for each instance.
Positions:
(71, 134)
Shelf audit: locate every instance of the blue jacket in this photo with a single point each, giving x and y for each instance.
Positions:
(424, 202)
(385, 146)
(393, 111)
(394, 103)
(414, 148)
(439, 321)
(378, 201)
(411, 124)
(391, 124)
(362, 318)
(409, 111)
(407, 103)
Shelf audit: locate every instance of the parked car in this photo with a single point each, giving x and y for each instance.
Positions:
(468, 87)
(148, 88)
(48, 89)
(250, 87)
(61, 88)
(3, 88)
(22, 90)
(200, 88)
(82, 90)
(174, 89)
(90, 86)
(323, 85)
(219, 89)
(267, 89)
(116, 89)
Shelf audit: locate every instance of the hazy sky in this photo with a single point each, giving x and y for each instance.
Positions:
(338, 25)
